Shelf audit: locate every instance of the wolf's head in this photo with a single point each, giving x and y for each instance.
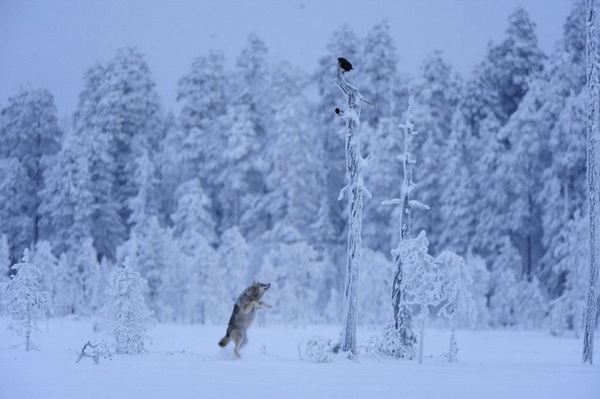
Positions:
(260, 288)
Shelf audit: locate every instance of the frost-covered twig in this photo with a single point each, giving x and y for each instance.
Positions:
(95, 351)
(368, 102)
(343, 192)
(418, 205)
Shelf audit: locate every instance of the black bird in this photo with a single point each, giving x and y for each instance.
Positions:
(344, 64)
(338, 111)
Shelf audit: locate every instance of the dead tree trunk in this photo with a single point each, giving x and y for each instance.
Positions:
(355, 190)
(593, 60)
(402, 339)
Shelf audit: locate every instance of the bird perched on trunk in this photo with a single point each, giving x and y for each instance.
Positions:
(344, 64)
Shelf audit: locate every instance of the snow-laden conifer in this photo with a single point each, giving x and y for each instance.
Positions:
(29, 133)
(454, 281)
(294, 271)
(126, 316)
(375, 275)
(47, 264)
(234, 262)
(196, 271)
(381, 80)
(436, 96)
(567, 311)
(67, 203)
(151, 247)
(295, 180)
(503, 284)
(4, 259)
(480, 289)
(420, 287)
(25, 299)
(15, 195)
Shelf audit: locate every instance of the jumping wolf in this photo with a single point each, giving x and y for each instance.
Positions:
(244, 311)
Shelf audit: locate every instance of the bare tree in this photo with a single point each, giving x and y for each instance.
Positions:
(356, 189)
(593, 60)
(399, 339)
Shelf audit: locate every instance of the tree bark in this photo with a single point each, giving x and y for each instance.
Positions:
(593, 60)
(402, 317)
(355, 189)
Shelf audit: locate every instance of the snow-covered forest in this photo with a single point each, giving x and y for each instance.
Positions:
(242, 182)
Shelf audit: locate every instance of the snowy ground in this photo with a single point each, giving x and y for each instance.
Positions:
(184, 361)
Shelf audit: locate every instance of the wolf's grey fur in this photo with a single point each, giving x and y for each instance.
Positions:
(244, 312)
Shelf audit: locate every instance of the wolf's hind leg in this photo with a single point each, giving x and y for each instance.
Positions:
(244, 341)
(238, 337)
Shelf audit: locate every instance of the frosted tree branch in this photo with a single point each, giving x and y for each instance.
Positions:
(418, 205)
(395, 201)
(342, 193)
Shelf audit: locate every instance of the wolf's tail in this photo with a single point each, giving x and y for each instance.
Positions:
(224, 341)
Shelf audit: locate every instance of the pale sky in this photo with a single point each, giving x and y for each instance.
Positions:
(51, 43)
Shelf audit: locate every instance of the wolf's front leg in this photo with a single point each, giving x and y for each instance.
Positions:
(265, 305)
(248, 308)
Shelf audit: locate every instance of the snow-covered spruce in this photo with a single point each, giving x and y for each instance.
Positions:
(149, 247)
(419, 281)
(454, 279)
(194, 229)
(119, 102)
(126, 316)
(295, 271)
(30, 135)
(4, 261)
(567, 311)
(25, 299)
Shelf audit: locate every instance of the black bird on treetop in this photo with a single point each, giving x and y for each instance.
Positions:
(344, 64)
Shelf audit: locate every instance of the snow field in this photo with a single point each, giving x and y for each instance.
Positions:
(184, 361)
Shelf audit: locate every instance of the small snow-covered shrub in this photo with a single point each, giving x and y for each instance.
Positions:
(373, 349)
(319, 349)
(393, 344)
